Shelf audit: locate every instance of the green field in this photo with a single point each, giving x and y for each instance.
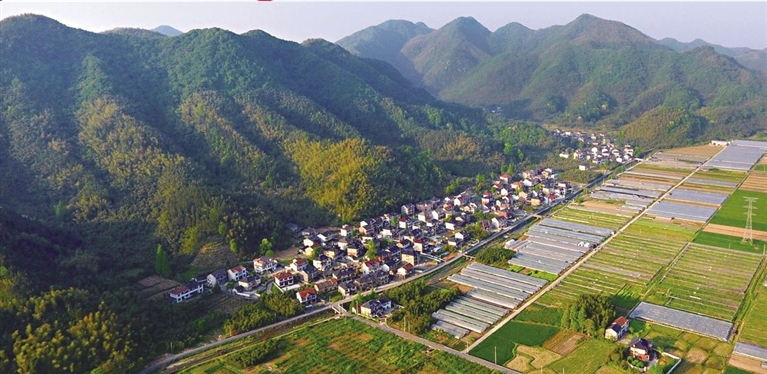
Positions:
(730, 242)
(732, 212)
(721, 175)
(707, 280)
(538, 313)
(610, 273)
(754, 329)
(586, 359)
(734, 370)
(505, 339)
(588, 217)
(646, 226)
(349, 346)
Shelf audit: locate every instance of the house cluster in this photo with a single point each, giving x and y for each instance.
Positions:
(243, 282)
(375, 308)
(596, 148)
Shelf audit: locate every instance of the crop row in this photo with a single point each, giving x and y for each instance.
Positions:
(599, 219)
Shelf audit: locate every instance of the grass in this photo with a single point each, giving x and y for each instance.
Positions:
(732, 211)
(734, 370)
(508, 336)
(543, 275)
(730, 242)
(586, 359)
(445, 339)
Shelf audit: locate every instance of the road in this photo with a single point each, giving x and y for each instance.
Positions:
(438, 346)
(576, 265)
(169, 359)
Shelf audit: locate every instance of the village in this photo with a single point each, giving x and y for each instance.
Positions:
(338, 262)
(596, 149)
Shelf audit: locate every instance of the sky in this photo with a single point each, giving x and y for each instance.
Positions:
(742, 24)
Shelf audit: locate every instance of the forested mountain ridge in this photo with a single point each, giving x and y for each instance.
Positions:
(750, 58)
(128, 139)
(588, 73)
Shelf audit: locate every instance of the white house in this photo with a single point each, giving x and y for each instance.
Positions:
(264, 265)
(237, 272)
(182, 293)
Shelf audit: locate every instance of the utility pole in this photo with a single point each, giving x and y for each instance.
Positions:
(748, 233)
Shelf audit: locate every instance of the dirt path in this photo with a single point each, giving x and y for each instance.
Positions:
(734, 231)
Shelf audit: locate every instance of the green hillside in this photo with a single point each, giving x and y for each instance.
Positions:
(114, 143)
(589, 73)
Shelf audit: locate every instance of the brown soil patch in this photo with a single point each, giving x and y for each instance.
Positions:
(698, 150)
(687, 367)
(600, 206)
(541, 356)
(722, 349)
(609, 370)
(214, 256)
(519, 363)
(734, 231)
(748, 364)
(565, 342)
(365, 337)
(696, 355)
(302, 342)
(155, 287)
(756, 181)
(666, 173)
(463, 288)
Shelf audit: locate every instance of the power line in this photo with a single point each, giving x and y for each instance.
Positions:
(748, 233)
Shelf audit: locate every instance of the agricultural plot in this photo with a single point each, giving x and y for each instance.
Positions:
(707, 280)
(756, 181)
(496, 286)
(650, 228)
(348, 346)
(608, 272)
(739, 155)
(692, 196)
(732, 211)
(672, 173)
(683, 320)
(672, 210)
(505, 339)
(584, 216)
(755, 322)
(729, 178)
(586, 359)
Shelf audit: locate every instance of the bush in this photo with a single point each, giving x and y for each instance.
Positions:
(254, 355)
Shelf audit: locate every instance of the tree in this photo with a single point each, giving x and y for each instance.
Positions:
(265, 245)
(233, 246)
(372, 250)
(161, 264)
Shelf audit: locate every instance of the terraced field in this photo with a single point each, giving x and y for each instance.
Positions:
(706, 280)
(609, 272)
(589, 217)
(755, 323)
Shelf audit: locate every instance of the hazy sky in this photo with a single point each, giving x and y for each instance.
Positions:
(729, 24)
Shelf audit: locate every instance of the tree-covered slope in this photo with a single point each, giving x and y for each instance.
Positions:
(750, 58)
(590, 72)
(127, 140)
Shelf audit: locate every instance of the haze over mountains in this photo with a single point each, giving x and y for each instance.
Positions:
(588, 72)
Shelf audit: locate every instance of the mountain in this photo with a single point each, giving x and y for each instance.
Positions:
(112, 144)
(590, 72)
(750, 58)
(167, 30)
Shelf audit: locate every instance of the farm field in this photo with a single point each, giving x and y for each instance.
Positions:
(721, 175)
(508, 336)
(589, 217)
(730, 242)
(755, 322)
(648, 227)
(349, 346)
(756, 181)
(694, 185)
(732, 211)
(706, 280)
(659, 170)
(586, 359)
(735, 232)
(608, 272)
(698, 150)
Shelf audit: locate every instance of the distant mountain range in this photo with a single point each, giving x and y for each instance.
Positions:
(167, 30)
(590, 72)
(750, 58)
